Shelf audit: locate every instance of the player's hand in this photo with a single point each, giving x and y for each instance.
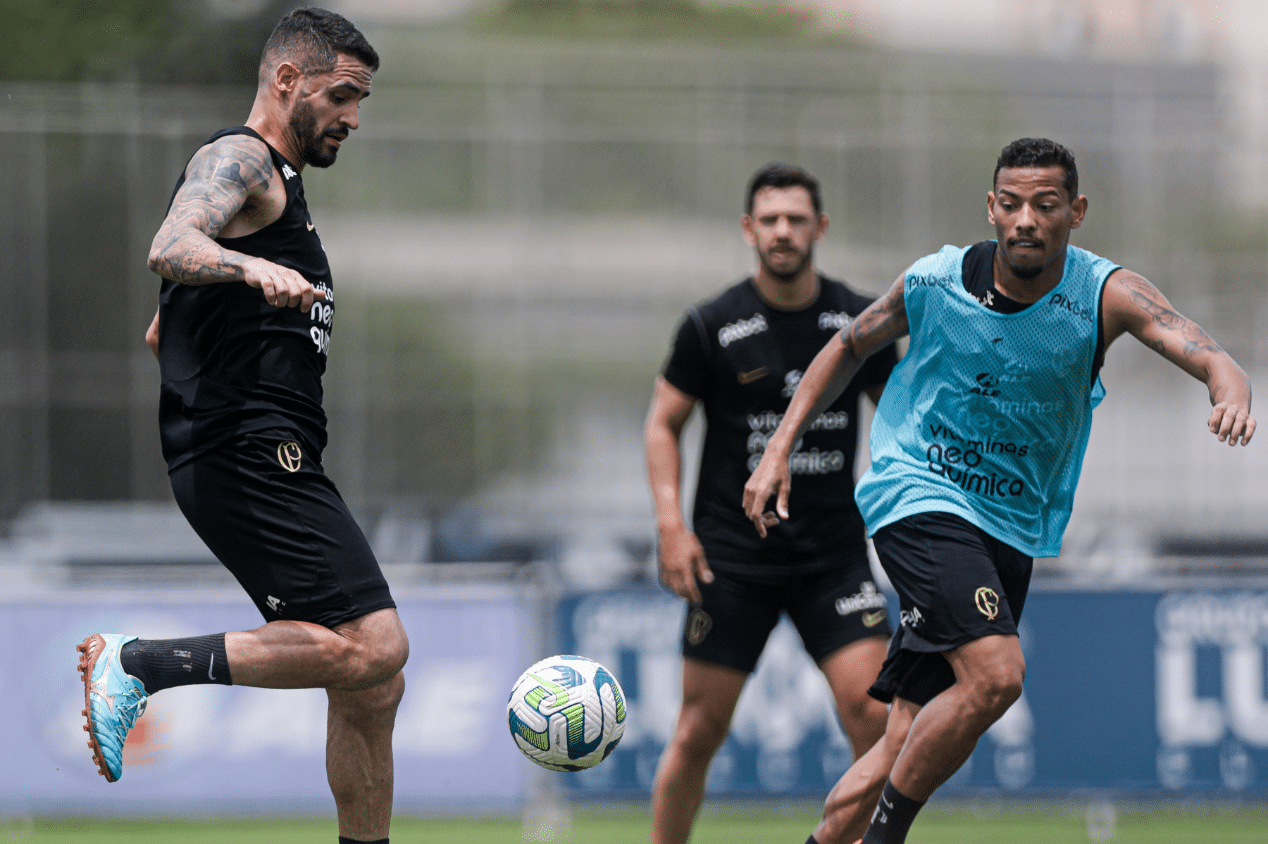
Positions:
(152, 335)
(771, 477)
(282, 287)
(682, 564)
(1231, 423)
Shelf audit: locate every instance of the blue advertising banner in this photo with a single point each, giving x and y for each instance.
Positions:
(1149, 692)
(235, 749)
(1142, 691)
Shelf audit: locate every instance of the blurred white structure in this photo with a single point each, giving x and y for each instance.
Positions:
(520, 222)
(1232, 34)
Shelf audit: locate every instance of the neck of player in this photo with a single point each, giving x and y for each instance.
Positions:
(1027, 290)
(791, 294)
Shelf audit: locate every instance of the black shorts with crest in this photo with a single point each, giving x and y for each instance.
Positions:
(268, 512)
(830, 607)
(955, 583)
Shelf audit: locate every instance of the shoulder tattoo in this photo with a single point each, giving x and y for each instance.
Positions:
(219, 181)
(1190, 336)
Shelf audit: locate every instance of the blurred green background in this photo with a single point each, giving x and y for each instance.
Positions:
(540, 187)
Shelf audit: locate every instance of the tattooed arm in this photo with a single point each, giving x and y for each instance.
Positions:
(230, 188)
(1132, 305)
(883, 322)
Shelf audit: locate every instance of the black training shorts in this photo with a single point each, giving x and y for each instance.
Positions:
(955, 583)
(829, 607)
(268, 512)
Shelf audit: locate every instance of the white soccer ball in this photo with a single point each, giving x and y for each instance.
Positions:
(566, 713)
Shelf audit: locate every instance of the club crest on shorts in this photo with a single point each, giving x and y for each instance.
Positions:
(289, 456)
(987, 600)
(698, 626)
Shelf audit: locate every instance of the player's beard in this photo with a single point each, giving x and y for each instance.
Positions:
(786, 275)
(312, 149)
(1025, 273)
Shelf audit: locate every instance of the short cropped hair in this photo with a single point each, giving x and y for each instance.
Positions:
(1039, 152)
(313, 39)
(780, 175)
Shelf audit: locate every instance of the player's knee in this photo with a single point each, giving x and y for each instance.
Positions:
(370, 708)
(386, 696)
(380, 659)
(700, 733)
(861, 708)
(369, 651)
(392, 653)
(999, 687)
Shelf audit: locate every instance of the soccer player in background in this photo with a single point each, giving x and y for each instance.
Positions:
(740, 356)
(241, 335)
(976, 450)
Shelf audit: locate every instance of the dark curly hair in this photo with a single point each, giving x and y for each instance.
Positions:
(1040, 152)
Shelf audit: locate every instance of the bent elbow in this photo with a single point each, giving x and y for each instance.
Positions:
(155, 261)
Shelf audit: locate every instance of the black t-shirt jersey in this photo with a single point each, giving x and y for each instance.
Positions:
(231, 362)
(743, 359)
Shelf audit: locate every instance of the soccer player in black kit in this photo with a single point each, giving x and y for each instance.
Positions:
(241, 335)
(740, 356)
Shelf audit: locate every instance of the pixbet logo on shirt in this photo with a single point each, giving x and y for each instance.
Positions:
(740, 329)
(834, 319)
(1079, 309)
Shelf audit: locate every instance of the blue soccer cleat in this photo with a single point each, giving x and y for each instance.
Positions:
(113, 700)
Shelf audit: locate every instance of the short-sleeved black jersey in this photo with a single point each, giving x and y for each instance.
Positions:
(742, 359)
(231, 362)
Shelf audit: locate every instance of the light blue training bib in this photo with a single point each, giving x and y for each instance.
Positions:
(987, 416)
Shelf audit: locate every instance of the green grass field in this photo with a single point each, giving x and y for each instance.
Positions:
(1051, 824)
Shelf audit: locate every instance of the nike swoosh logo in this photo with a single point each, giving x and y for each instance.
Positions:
(871, 619)
(310, 225)
(210, 666)
(752, 375)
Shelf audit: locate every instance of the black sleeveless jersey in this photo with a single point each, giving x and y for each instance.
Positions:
(743, 359)
(233, 363)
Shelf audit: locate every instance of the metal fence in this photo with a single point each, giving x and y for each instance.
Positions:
(518, 224)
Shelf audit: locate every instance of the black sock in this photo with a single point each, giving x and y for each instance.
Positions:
(893, 817)
(813, 840)
(163, 663)
(343, 840)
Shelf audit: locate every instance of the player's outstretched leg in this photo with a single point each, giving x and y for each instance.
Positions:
(853, 799)
(113, 700)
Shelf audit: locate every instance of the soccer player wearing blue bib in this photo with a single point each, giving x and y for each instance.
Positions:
(976, 450)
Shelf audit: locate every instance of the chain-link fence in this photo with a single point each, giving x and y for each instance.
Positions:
(518, 224)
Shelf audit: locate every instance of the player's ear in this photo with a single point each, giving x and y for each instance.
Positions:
(990, 207)
(1079, 206)
(823, 226)
(286, 77)
(746, 223)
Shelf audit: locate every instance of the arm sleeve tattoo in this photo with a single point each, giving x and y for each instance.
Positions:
(219, 182)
